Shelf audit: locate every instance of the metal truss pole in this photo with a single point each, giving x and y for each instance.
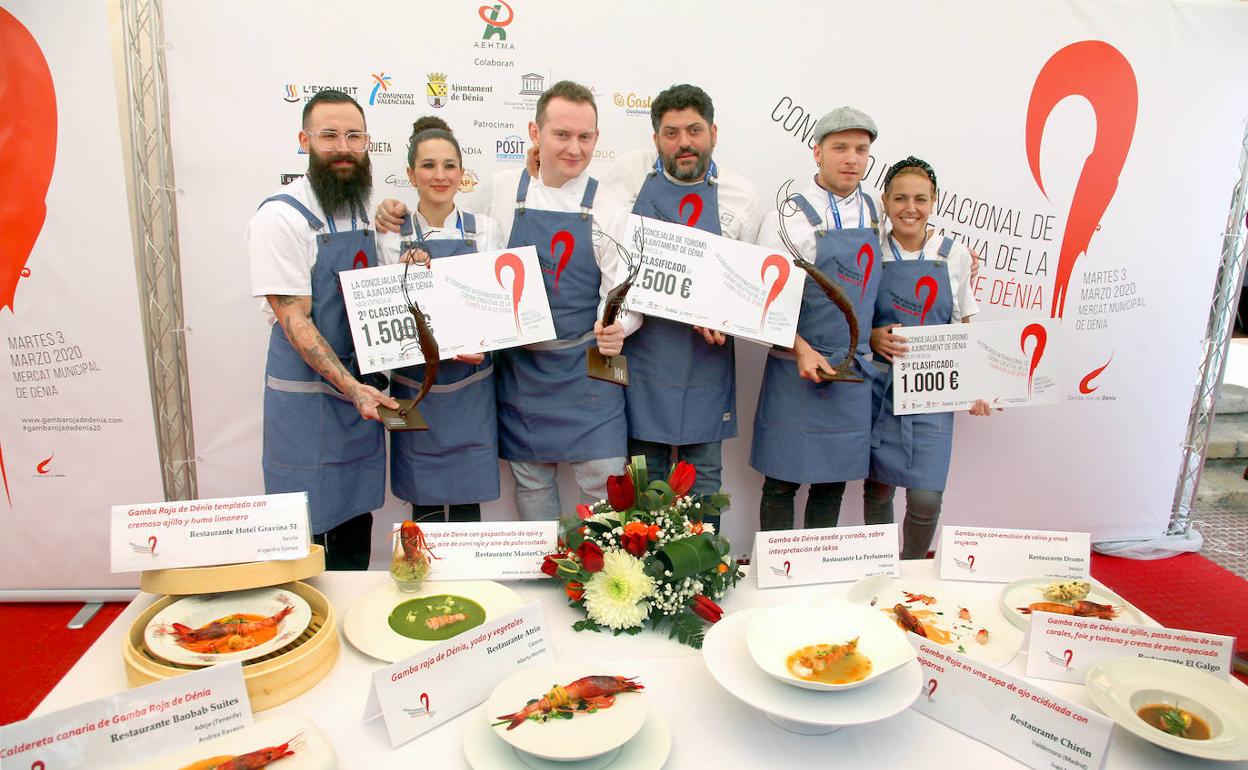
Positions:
(1213, 363)
(157, 263)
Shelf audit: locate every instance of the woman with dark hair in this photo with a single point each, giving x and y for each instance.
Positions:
(913, 451)
(455, 462)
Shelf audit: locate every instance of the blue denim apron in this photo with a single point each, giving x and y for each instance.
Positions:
(549, 410)
(314, 438)
(913, 450)
(806, 432)
(456, 460)
(680, 389)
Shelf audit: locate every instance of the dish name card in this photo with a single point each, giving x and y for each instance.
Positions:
(146, 721)
(1064, 647)
(419, 693)
(496, 550)
(197, 533)
(1034, 727)
(1004, 555)
(799, 557)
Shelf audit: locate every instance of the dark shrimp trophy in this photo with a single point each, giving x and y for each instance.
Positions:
(843, 371)
(615, 368)
(406, 417)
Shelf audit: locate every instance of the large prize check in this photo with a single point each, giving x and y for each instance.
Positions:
(950, 366)
(474, 303)
(700, 279)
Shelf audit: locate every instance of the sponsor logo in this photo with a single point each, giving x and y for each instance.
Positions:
(788, 566)
(423, 710)
(510, 148)
(607, 155)
(377, 147)
(532, 84)
(967, 564)
(469, 182)
(44, 469)
(295, 93)
(497, 17)
(1062, 660)
(397, 180)
(435, 90)
(632, 104)
(288, 178)
(468, 149)
(381, 93)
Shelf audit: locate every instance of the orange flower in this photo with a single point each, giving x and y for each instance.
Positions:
(696, 527)
(653, 532)
(635, 538)
(574, 590)
(722, 568)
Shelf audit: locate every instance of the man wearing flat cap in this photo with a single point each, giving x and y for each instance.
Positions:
(808, 430)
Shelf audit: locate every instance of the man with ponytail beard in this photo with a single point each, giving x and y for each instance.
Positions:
(321, 433)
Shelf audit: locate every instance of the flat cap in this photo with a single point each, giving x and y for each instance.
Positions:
(844, 119)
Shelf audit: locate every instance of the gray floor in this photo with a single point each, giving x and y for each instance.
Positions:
(1226, 536)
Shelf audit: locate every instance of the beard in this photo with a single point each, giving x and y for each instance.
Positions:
(697, 172)
(339, 190)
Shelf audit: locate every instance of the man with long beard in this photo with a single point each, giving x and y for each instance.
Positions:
(319, 429)
(682, 390)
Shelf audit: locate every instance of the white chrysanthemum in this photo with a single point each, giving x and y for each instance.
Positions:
(615, 596)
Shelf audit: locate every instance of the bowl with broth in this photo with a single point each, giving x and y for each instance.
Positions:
(829, 645)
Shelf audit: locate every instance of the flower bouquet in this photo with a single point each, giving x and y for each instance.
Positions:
(645, 554)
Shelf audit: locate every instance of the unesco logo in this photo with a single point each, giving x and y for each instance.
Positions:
(510, 148)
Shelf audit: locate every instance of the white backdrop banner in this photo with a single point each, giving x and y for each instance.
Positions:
(1084, 150)
(76, 430)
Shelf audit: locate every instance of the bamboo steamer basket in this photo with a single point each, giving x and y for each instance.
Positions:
(271, 679)
(233, 577)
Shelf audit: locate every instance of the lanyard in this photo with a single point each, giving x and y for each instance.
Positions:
(459, 225)
(892, 244)
(712, 171)
(836, 214)
(334, 228)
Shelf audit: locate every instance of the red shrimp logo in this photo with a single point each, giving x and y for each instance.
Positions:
(517, 281)
(568, 242)
(1038, 333)
(782, 276)
(1085, 385)
(1098, 72)
(929, 297)
(869, 252)
(932, 684)
(29, 97)
(424, 701)
(151, 542)
(695, 205)
(42, 468)
(361, 260)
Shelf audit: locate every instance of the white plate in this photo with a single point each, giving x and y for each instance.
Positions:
(805, 711)
(1020, 593)
(196, 611)
(312, 751)
(584, 736)
(883, 592)
(775, 632)
(367, 625)
(648, 750)
(1121, 685)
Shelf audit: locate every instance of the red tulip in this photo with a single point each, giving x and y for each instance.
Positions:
(584, 511)
(574, 590)
(620, 492)
(706, 609)
(681, 480)
(548, 565)
(591, 556)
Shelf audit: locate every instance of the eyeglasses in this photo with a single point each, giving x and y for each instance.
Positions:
(328, 139)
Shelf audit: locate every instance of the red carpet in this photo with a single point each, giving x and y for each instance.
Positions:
(1187, 592)
(36, 650)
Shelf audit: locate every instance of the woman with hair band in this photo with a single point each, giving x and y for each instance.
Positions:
(455, 462)
(913, 451)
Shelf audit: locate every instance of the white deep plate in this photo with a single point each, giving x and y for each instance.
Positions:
(883, 592)
(367, 625)
(724, 651)
(776, 632)
(312, 751)
(485, 750)
(196, 611)
(582, 737)
(1121, 685)
(1023, 592)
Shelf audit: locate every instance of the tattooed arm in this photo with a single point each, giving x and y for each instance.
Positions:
(295, 316)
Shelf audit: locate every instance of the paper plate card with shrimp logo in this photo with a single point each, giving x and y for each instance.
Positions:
(943, 615)
(240, 625)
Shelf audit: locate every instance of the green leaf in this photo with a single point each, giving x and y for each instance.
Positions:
(599, 527)
(586, 625)
(637, 469)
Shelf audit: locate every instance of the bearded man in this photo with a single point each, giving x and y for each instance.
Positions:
(321, 433)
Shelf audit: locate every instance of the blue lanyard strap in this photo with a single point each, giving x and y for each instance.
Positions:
(892, 244)
(836, 214)
(333, 228)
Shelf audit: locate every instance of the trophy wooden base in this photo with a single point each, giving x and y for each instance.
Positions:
(612, 369)
(404, 418)
(839, 375)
